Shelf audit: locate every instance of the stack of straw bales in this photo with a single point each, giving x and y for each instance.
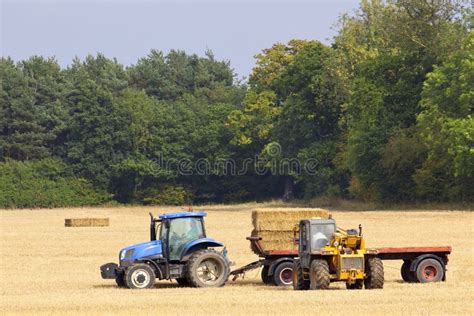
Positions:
(86, 222)
(277, 226)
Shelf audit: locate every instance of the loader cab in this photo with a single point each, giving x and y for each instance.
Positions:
(315, 234)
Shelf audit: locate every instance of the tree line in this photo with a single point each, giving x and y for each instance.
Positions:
(384, 113)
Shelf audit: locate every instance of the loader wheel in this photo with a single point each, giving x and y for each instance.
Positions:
(429, 270)
(140, 276)
(407, 275)
(207, 268)
(319, 275)
(299, 283)
(182, 281)
(283, 275)
(358, 285)
(374, 277)
(265, 277)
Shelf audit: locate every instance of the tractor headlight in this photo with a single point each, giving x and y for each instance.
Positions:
(122, 254)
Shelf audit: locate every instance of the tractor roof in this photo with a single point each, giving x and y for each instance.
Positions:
(182, 214)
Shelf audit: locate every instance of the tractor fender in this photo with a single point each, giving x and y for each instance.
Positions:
(154, 265)
(418, 259)
(275, 263)
(202, 243)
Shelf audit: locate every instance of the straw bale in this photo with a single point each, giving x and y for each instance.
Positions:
(86, 222)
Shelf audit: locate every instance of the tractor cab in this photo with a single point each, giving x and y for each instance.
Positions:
(177, 230)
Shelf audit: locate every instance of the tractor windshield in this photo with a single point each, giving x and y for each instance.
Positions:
(321, 234)
(181, 231)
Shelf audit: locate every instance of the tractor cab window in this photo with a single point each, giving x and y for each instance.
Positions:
(182, 231)
(321, 234)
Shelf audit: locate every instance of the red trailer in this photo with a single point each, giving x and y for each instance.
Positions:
(420, 264)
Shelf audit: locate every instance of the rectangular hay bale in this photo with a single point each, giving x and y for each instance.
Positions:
(279, 226)
(86, 222)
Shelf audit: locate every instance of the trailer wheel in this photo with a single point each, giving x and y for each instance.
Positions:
(358, 285)
(299, 283)
(207, 268)
(283, 274)
(319, 275)
(374, 277)
(429, 270)
(407, 275)
(140, 276)
(265, 277)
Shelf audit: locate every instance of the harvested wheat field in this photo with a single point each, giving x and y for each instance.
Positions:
(51, 269)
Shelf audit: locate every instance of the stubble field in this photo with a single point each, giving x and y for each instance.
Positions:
(51, 269)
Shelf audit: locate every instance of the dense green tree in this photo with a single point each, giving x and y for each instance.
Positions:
(31, 106)
(447, 128)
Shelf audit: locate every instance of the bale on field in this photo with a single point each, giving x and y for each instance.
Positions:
(86, 222)
(278, 219)
(278, 227)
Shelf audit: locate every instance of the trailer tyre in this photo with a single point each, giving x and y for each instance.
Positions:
(319, 275)
(207, 268)
(266, 279)
(299, 283)
(283, 274)
(429, 270)
(140, 276)
(374, 276)
(407, 275)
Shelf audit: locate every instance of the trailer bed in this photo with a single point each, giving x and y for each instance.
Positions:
(408, 253)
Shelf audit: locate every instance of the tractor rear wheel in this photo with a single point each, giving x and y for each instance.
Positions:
(283, 274)
(140, 276)
(265, 277)
(358, 285)
(207, 268)
(429, 270)
(407, 275)
(299, 283)
(319, 275)
(374, 277)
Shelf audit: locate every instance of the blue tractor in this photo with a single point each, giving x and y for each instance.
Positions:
(178, 249)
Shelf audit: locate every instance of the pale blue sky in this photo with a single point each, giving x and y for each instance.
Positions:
(234, 30)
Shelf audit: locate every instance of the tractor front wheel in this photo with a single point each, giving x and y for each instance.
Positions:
(299, 283)
(207, 268)
(140, 276)
(319, 275)
(374, 277)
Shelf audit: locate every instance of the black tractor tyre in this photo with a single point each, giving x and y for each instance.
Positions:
(140, 276)
(429, 270)
(299, 283)
(358, 285)
(119, 279)
(283, 274)
(266, 279)
(182, 281)
(207, 268)
(320, 279)
(374, 275)
(407, 275)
